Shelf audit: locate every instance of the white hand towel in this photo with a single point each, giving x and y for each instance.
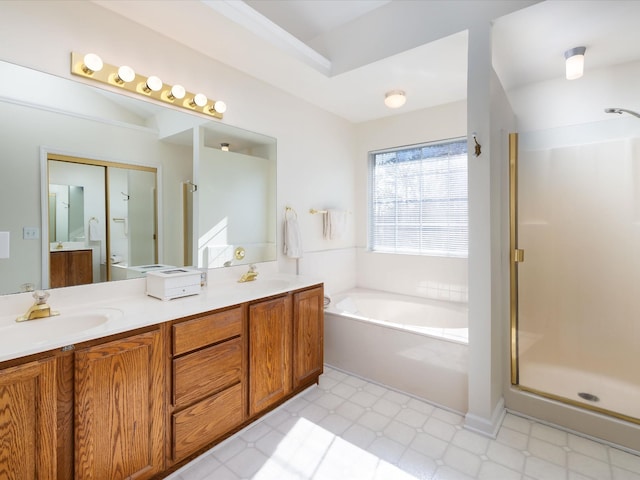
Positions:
(292, 237)
(334, 225)
(94, 231)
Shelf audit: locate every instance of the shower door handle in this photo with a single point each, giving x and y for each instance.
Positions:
(518, 255)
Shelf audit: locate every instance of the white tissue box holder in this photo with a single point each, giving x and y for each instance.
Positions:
(174, 283)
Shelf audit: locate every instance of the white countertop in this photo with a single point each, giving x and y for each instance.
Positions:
(128, 307)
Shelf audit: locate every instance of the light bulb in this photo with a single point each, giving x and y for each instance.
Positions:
(199, 99)
(224, 147)
(153, 84)
(177, 92)
(92, 63)
(219, 106)
(125, 74)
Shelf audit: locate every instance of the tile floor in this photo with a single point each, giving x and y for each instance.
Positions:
(348, 428)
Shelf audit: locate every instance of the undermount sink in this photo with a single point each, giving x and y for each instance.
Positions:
(43, 329)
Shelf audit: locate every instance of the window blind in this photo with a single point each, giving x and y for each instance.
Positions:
(418, 200)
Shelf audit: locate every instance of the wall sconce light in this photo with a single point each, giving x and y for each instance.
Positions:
(224, 147)
(395, 98)
(574, 62)
(91, 66)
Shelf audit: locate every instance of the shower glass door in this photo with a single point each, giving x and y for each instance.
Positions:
(575, 243)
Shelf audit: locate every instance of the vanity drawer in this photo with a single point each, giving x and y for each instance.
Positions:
(205, 330)
(204, 372)
(202, 423)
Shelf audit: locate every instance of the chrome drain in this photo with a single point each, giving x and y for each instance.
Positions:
(589, 397)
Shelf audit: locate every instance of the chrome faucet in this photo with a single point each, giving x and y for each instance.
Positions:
(40, 309)
(250, 275)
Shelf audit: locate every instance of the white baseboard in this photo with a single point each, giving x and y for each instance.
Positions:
(485, 426)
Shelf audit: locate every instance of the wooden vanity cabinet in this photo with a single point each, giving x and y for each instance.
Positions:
(28, 440)
(70, 267)
(208, 379)
(119, 408)
(270, 338)
(308, 336)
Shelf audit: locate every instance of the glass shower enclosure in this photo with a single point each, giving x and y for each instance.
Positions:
(575, 265)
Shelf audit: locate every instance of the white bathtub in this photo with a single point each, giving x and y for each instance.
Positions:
(414, 345)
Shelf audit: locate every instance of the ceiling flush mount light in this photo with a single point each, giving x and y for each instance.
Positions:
(124, 77)
(395, 98)
(224, 147)
(574, 62)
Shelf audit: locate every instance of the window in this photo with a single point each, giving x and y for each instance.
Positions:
(418, 199)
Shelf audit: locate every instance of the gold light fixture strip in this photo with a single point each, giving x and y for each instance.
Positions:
(91, 66)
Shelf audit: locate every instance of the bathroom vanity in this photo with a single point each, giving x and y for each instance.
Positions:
(146, 392)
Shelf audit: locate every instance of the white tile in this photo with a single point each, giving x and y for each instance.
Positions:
(512, 438)
(329, 401)
(419, 465)
(462, 461)
(374, 421)
(348, 428)
(335, 423)
(400, 432)
(494, 471)
(343, 390)
(625, 460)
(588, 447)
(470, 441)
(589, 466)
(547, 451)
(542, 470)
(412, 417)
(359, 436)
(386, 407)
(448, 473)
(386, 449)
(549, 434)
(247, 462)
(516, 423)
(364, 399)
(429, 445)
(439, 429)
(350, 410)
(505, 455)
(222, 473)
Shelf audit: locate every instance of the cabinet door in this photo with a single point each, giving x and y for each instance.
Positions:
(80, 267)
(308, 335)
(269, 352)
(119, 409)
(58, 269)
(27, 421)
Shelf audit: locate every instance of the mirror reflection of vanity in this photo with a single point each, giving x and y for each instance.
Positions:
(200, 203)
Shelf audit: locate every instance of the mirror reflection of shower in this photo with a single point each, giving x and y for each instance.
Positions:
(620, 111)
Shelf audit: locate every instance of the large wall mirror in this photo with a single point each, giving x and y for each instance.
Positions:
(201, 203)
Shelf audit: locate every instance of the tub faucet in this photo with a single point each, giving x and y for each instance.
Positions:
(250, 275)
(40, 309)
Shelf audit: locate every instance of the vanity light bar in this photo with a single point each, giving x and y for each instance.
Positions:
(91, 66)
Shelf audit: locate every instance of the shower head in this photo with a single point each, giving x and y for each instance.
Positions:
(620, 111)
